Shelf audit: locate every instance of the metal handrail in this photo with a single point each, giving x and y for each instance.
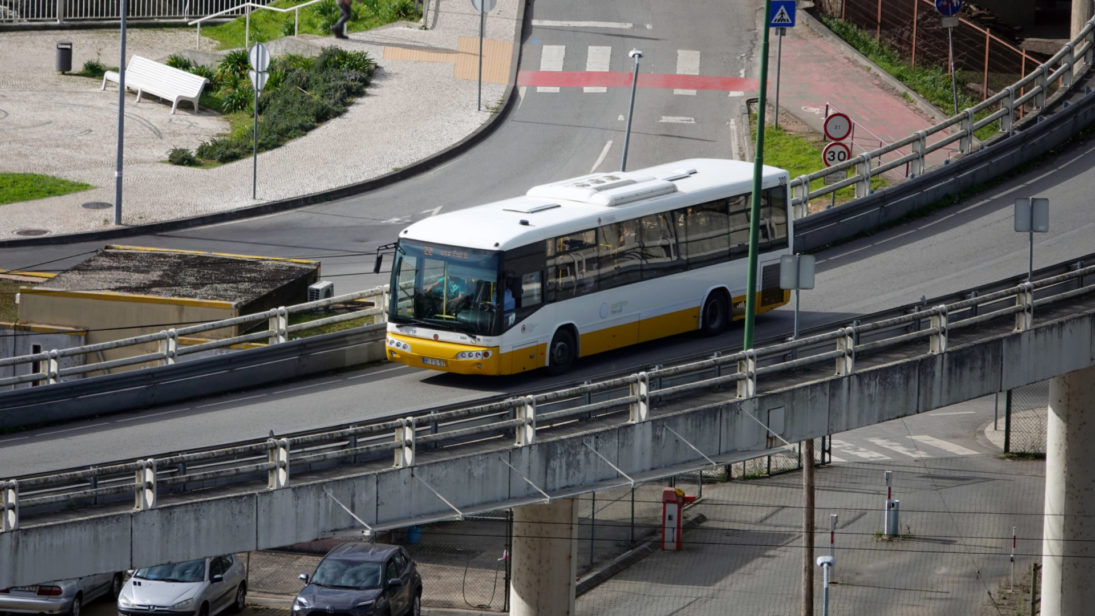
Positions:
(246, 7)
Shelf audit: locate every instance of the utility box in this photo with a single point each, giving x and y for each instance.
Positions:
(64, 56)
(673, 502)
(321, 290)
(891, 526)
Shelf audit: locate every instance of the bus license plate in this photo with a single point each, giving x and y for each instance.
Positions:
(429, 361)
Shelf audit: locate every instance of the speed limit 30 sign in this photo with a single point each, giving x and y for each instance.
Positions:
(835, 153)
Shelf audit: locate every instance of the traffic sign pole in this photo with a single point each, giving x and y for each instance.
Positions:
(758, 163)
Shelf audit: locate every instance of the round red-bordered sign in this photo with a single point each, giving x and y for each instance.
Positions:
(837, 127)
(835, 153)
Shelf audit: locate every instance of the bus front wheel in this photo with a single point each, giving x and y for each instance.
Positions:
(716, 314)
(562, 352)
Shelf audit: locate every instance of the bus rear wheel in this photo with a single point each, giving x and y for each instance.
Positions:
(562, 352)
(716, 314)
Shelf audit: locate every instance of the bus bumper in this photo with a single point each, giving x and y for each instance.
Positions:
(443, 356)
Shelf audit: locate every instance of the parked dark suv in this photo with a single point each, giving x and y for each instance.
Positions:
(362, 579)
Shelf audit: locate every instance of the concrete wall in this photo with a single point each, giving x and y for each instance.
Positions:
(20, 339)
(720, 425)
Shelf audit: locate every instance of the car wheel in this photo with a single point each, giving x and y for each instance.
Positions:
(241, 598)
(562, 352)
(716, 314)
(203, 610)
(116, 585)
(416, 605)
(77, 605)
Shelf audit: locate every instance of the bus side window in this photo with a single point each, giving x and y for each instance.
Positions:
(739, 225)
(659, 245)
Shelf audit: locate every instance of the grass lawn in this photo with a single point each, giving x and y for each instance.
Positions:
(15, 187)
(314, 19)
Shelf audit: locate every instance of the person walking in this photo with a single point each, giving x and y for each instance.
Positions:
(339, 29)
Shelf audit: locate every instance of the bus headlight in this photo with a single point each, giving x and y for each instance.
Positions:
(473, 355)
(399, 345)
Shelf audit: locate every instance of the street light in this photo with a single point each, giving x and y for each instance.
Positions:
(826, 563)
(636, 54)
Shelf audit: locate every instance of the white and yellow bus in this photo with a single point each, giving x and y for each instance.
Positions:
(585, 265)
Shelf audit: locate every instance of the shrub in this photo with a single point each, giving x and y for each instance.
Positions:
(182, 156)
(180, 62)
(93, 68)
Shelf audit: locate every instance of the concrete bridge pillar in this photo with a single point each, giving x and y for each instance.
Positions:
(544, 559)
(1068, 535)
(1082, 11)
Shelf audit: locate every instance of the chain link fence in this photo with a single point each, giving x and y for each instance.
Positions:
(1025, 417)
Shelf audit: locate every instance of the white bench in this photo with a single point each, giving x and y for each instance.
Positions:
(151, 77)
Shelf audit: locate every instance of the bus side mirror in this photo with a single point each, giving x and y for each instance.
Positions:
(379, 260)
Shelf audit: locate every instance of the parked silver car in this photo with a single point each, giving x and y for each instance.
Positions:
(61, 596)
(202, 587)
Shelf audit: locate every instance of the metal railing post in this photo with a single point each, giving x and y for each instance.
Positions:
(863, 171)
(144, 489)
(1042, 82)
(277, 453)
(1067, 62)
(1008, 121)
(169, 346)
(279, 325)
(404, 439)
(9, 520)
(845, 364)
(965, 144)
(938, 322)
(639, 409)
(526, 414)
(918, 148)
(53, 367)
(1024, 319)
(747, 367)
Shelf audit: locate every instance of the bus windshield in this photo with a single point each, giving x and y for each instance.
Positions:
(446, 287)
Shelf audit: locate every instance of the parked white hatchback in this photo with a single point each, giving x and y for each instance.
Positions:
(203, 587)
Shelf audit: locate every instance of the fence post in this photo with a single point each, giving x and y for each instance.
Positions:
(747, 366)
(404, 439)
(277, 453)
(1008, 121)
(1069, 61)
(938, 322)
(965, 144)
(1043, 83)
(279, 325)
(845, 364)
(918, 148)
(10, 518)
(169, 346)
(53, 367)
(639, 409)
(863, 171)
(526, 414)
(61, 11)
(1024, 298)
(144, 490)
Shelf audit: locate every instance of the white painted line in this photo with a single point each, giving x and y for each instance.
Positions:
(551, 23)
(940, 414)
(688, 63)
(598, 59)
(601, 158)
(735, 152)
(551, 59)
(835, 459)
(735, 94)
(957, 450)
(898, 447)
(859, 452)
(677, 120)
(433, 212)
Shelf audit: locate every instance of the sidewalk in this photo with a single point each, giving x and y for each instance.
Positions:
(422, 101)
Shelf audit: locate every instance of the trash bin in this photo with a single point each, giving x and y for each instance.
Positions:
(64, 56)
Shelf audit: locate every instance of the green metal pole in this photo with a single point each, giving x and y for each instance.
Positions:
(758, 163)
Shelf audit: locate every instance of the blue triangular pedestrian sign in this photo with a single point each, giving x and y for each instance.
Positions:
(783, 14)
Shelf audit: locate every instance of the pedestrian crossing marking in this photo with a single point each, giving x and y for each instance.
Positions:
(598, 60)
(898, 447)
(957, 450)
(688, 63)
(859, 452)
(781, 17)
(551, 60)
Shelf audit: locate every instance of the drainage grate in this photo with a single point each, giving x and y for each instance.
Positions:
(31, 232)
(97, 205)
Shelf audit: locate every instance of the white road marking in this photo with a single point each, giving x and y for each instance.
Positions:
(898, 447)
(954, 413)
(551, 59)
(601, 158)
(677, 120)
(735, 149)
(614, 25)
(735, 94)
(598, 59)
(688, 63)
(957, 450)
(433, 212)
(859, 452)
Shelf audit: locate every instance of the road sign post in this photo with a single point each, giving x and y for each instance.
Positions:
(782, 17)
(259, 58)
(482, 7)
(949, 10)
(1031, 216)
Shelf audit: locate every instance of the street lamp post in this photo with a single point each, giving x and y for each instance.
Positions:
(636, 54)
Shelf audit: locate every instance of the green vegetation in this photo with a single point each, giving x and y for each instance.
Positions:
(301, 93)
(94, 69)
(934, 84)
(314, 19)
(9, 312)
(15, 187)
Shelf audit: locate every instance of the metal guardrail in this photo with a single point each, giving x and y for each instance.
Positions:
(523, 420)
(170, 350)
(84, 11)
(246, 8)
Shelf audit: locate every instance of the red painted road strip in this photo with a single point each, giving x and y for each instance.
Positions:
(578, 79)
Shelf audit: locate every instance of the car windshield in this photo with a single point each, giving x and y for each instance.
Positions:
(190, 571)
(446, 287)
(347, 574)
